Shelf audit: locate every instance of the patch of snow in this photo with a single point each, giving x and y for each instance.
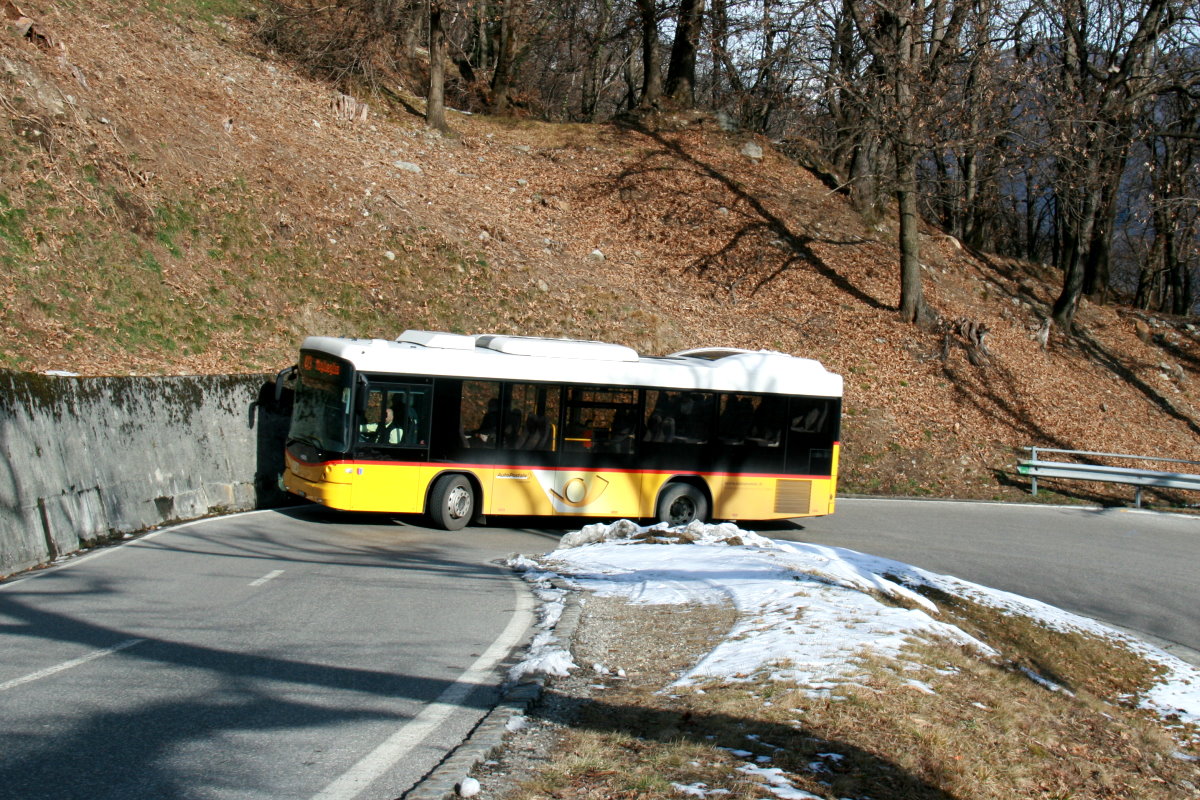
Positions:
(920, 686)
(737, 753)
(1045, 683)
(545, 657)
(805, 612)
(777, 783)
(467, 787)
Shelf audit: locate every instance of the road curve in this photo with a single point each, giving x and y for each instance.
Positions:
(274, 654)
(303, 654)
(1134, 570)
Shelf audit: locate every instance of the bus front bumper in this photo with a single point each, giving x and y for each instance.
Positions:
(333, 495)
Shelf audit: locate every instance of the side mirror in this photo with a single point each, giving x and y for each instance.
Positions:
(364, 392)
(283, 377)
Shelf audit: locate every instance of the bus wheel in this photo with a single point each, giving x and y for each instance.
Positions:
(680, 503)
(452, 502)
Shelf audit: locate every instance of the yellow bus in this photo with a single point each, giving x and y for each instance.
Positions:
(459, 427)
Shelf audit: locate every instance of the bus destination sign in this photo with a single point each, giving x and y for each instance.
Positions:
(324, 366)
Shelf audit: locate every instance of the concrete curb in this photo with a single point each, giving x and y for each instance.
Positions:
(487, 737)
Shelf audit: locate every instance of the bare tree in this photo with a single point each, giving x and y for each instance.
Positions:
(1170, 215)
(652, 79)
(435, 104)
(505, 37)
(681, 71)
(911, 45)
(1107, 54)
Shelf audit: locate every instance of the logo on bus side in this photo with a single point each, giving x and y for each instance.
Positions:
(575, 494)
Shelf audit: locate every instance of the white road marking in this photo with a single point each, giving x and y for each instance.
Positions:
(75, 559)
(74, 662)
(275, 573)
(398, 745)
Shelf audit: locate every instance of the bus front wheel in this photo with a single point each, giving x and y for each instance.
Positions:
(452, 502)
(681, 503)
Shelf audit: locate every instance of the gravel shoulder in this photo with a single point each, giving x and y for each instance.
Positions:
(622, 649)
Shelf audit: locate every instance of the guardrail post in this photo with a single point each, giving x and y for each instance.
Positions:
(1033, 476)
(1137, 500)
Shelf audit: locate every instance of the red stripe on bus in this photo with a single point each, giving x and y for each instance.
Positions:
(526, 467)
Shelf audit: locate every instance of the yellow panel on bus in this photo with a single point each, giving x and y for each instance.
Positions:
(401, 488)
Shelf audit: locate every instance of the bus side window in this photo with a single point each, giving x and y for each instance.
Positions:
(737, 415)
(661, 408)
(680, 417)
(809, 416)
(531, 417)
(752, 420)
(371, 425)
(480, 413)
(601, 420)
(769, 418)
(516, 416)
(693, 423)
(417, 432)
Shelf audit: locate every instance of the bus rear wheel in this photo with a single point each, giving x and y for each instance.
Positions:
(451, 502)
(681, 503)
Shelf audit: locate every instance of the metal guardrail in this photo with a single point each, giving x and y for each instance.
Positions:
(1039, 468)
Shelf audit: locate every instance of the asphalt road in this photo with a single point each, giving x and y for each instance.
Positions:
(1135, 570)
(266, 655)
(311, 655)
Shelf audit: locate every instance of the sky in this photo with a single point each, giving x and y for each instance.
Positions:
(804, 610)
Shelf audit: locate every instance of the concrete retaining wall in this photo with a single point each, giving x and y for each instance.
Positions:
(85, 460)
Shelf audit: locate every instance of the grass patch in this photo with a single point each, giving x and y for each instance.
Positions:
(939, 723)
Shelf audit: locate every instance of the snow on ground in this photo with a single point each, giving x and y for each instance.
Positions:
(805, 611)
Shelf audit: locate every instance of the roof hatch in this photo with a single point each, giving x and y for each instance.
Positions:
(556, 348)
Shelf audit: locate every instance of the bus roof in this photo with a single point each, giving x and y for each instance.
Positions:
(535, 359)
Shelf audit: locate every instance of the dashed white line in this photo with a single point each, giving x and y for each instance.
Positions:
(74, 662)
(275, 573)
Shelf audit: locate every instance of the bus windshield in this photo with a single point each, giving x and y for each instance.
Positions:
(321, 414)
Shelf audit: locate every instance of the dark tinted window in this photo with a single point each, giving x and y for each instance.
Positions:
(812, 431)
(679, 417)
(530, 417)
(480, 414)
(600, 420)
(752, 420)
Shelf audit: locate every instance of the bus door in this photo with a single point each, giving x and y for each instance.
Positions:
(527, 431)
(392, 425)
(596, 454)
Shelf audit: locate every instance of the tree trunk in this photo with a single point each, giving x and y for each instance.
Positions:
(912, 295)
(722, 77)
(501, 100)
(974, 230)
(1032, 218)
(435, 104)
(1077, 233)
(593, 69)
(652, 81)
(1148, 272)
(1098, 268)
(1179, 276)
(681, 72)
(630, 87)
(868, 162)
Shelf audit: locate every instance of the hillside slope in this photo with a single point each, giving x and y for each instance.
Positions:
(176, 199)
